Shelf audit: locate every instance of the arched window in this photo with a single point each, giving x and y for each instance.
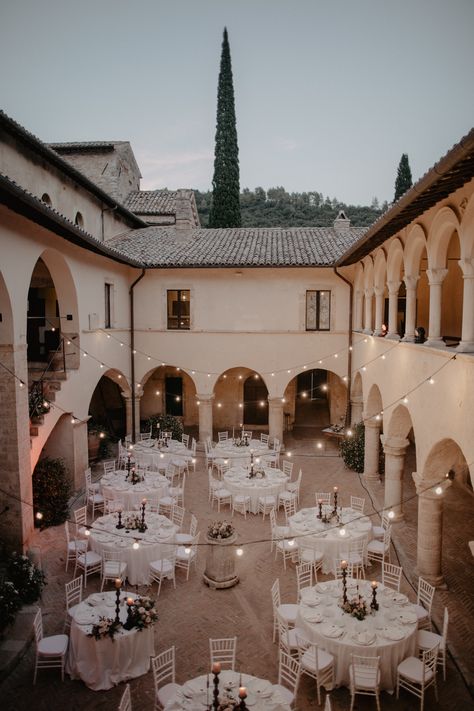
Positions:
(46, 199)
(79, 220)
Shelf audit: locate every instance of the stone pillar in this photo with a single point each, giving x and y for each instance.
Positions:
(467, 337)
(379, 292)
(430, 530)
(69, 442)
(357, 406)
(275, 418)
(368, 311)
(16, 504)
(435, 279)
(393, 287)
(394, 449)
(358, 311)
(205, 416)
(128, 413)
(410, 311)
(371, 449)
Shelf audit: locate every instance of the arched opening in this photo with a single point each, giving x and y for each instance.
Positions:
(43, 330)
(107, 409)
(316, 398)
(79, 220)
(168, 390)
(452, 295)
(46, 199)
(228, 405)
(255, 401)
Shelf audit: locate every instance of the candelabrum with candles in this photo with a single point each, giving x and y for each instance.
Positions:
(143, 527)
(225, 701)
(118, 586)
(335, 502)
(344, 581)
(120, 524)
(374, 605)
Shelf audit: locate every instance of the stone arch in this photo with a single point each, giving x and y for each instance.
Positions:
(357, 389)
(442, 228)
(168, 389)
(108, 404)
(6, 324)
(368, 294)
(380, 269)
(358, 306)
(329, 395)
(229, 402)
(394, 260)
(444, 456)
(400, 423)
(414, 248)
(466, 230)
(374, 405)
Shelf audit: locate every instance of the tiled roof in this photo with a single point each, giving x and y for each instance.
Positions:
(83, 145)
(239, 247)
(152, 202)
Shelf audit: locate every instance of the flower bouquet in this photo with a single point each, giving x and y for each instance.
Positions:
(356, 607)
(141, 613)
(220, 529)
(133, 522)
(106, 627)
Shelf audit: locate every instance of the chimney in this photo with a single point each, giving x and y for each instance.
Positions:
(184, 212)
(342, 223)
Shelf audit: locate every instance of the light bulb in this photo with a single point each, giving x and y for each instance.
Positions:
(239, 551)
(136, 545)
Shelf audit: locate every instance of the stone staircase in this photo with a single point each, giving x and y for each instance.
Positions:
(51, 385)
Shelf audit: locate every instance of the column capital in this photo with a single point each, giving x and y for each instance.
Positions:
(396, 446)
(369, 292)
(393, 287)
(411, 282)
(205, 397)
(357, 399)
(379, 290)
(275, 402)
(372, 422)
(467, 268)
(425, 488)
(436, 276)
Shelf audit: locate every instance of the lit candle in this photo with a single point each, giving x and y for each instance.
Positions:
(320, 501)
(216, 667)
(143, 502)
(243, 692)
(344, 564)
(374, 584)
(118, 583)
(129, 600)
(335, 489)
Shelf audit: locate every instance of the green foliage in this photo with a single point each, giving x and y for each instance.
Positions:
(352, 449)
(404, 180)
(225, 207)
(51, 490)
(166, 423)
(284, 209)
(26, 577)
(10, 603)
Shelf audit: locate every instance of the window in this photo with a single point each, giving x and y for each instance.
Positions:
(46, 199)
(79, 220)
(178, 309)
(108, 305)
(318, 310)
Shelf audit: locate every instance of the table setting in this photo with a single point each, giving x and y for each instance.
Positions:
(255, 480)
(352, 616)
(197, 693)
(119, 486)
(122, 532)
(235, 449)
(331, 534)
(110, 641)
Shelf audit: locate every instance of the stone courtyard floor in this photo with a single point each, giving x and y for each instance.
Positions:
(194, 612)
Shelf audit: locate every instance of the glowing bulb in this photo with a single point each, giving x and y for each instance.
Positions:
(45, 404)
(101, 435)
(178, 399)
(240, 404)
(198, 402)
(84, 355)
(366, 340)
(349, 433)
(158, 392)
(219, 404)
(292, 542)
(39, 515)
(438, 490)
(342, 531)
(53, 329)
(208, 375)
(364, 368)
(119, 377)
(288, 371)
(68, 343)
(319, 445)
(391, 514)
(178, 369)
(383, 357)
(324, 387)
(336, 355)
(239, 551)
(187, 550)
(256, 376)
(87, 532)
(350, 348)
(73, 420)
(108, 335)
(193, 372)
(431, 381)
(304, 394)
(262, 403)
(240, 377)
(134, 352)
(136, 545)
(405, 400)
(121, 345)
(273, 375)
(283, 400)
(320, 361)
(101, 365)
(304, 367)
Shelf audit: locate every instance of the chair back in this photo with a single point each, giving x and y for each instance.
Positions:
(264, 438)
(358, 504)
(426, 593)
(429, 660)
(126, 700)
(391, 575)
(288, 671)
(38, 626)
(386, 540)
(304, 576)
(224, 651)
(113, 561)
(287, 468)
(273, 522)
(365, 672)
(324, 497)
(290, 507)
(276, 596)
(445, 627)
(109, 466)
(177, 515)
(222, 436)
(185, 440)
(80, 516)
(73, 590)
(164, 669)
(193, 526)
(337, 569)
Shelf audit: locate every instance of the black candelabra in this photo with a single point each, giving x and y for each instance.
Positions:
(320, 506)
(374, 604)
(143, 527)
(120, 524)
(344, 581)
(118, 585)
(335, 501)
(216, 702)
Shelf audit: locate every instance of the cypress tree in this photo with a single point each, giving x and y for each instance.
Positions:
(403, 181)
(225, 206)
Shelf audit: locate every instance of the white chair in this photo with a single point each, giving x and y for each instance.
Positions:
(222, 436)
(177, 492)
(379, 531)
(264, 438)
(109, 466)
(88, 480)
(221, 495)
(266, 504)
(185, 440)
(417, 675)
(285, 496)
(378, 550)
(224, 651)
(427, 640)
(247, 433)
(304, 577)
(112, 504)
(323, 497)
(94, 500)
(80, 520)
(276, 530)
(287, 468)
(337, 569)
(287, 611)
(364, 676)
(424, 603)
(161, 569)
(391, 576)
(186, 556)
(177, 516)
(72, 546)
(73, 591)
(164, 676)
(357, 556)
(288, 677)
(307, 553)
(241, 504)
(289, 506)
(214, 484)
(210, 454)
(288, 636)
(294, 486)
(113, 567)
(358, 504)
(126, 700)
(317, 664)
(183, 539)
(50, 651)
(287, 548)
(89, 562)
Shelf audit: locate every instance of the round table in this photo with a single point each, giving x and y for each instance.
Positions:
(229, 450)
(157, 457)
(103, 663)
(157, 542)
(327, 538)
(116, 486)
(389, 633)
(197, 693)
(238, 483)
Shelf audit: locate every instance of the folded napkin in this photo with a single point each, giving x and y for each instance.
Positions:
(333, 631)
(364, 637)
(95, 599)
(261, 687)
(407, 617)
(323, 587)
(397, 597)
(393, 633)
(314, 617)
(85, 617)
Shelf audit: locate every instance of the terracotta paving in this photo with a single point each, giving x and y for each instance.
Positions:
(194, 612)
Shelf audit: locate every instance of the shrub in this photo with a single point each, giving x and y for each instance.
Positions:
(51, 490)
(352, 448)
(10, 603)
(166, 423)
(25, 577)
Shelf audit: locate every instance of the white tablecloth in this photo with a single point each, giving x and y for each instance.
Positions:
(158, 457)
(327, 537)
(197, 693)
(388, 633)
(116, 486)
(237, 482)
(103, 663)
(157, 542)
(227, 450)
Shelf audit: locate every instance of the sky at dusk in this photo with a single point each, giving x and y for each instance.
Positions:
(328, 94)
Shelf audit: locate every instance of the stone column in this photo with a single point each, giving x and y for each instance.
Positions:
(435, 279)
(393, 287)
(357, 405)
(379, 292)
(69, 443)
(394, 449)
(410, 312)
(128, 414)
(371, 449)
(358, 311)
(16, 504)
(205, 416)
(368, 311)
(467, 337)
(430, 530)
(275, 418)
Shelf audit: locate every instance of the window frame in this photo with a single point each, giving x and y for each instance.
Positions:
(179, 315)
(108, 304)
(318, 326)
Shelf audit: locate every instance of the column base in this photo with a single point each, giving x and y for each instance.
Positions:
(374, 476)
(393, 336)
(465, 347)
(377, 332)
(435, 343)
(437, 580)
(408, 339)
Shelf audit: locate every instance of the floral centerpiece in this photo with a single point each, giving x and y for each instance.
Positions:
(134, 477)
(356, 607)
(141, 613)
(133, 522)
(106, 627)
(220, 529)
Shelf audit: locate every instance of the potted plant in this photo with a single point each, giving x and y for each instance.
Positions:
(51, 490)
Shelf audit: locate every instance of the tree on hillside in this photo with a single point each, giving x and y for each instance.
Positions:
(404, 180)
(225, 206)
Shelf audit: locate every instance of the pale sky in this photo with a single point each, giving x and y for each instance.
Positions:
(329, 94)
